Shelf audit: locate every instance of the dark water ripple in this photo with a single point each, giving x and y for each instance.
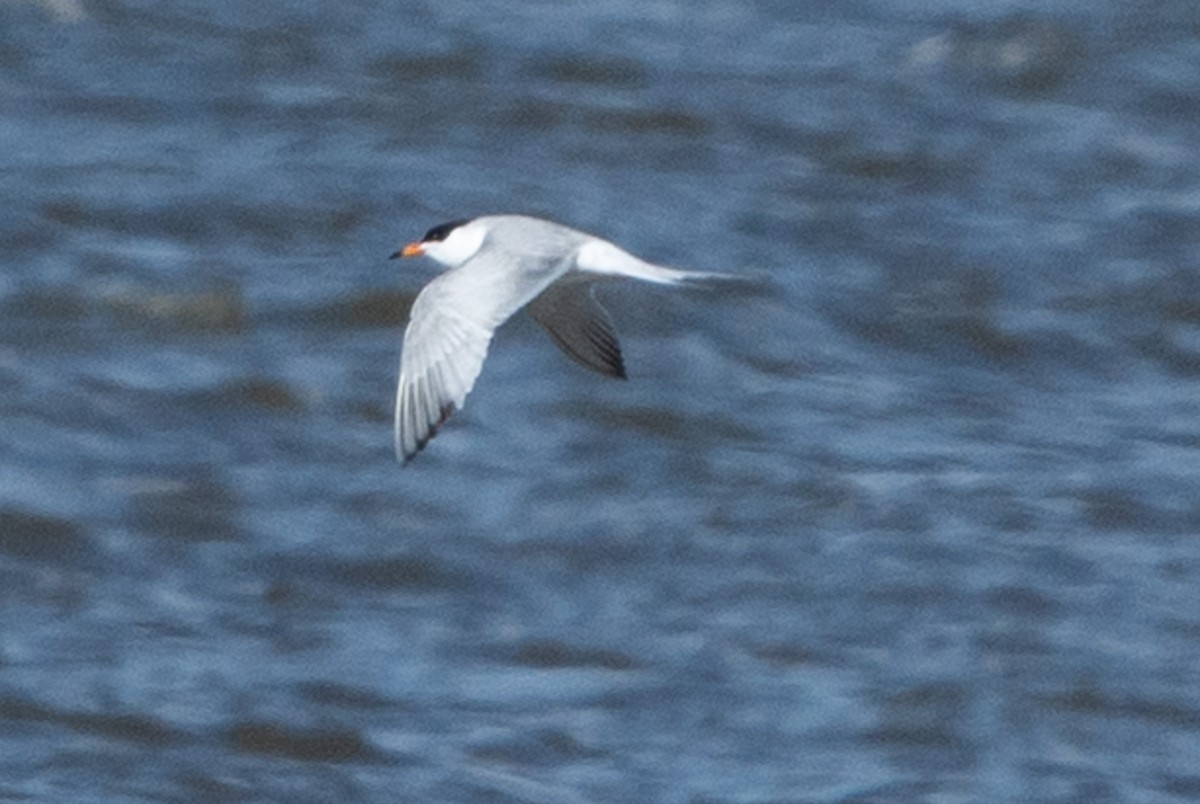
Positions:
(909, 515)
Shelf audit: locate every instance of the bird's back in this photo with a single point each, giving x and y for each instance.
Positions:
(532, 238)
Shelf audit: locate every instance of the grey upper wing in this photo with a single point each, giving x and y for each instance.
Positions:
(580, 326)
(446, 341)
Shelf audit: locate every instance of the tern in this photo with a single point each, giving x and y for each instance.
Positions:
(497, 265)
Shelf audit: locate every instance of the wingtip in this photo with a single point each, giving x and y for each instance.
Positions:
(403, 456)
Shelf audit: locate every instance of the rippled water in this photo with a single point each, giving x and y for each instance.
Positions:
(909, 516)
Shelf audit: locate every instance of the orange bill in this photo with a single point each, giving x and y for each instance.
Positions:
(411, 250)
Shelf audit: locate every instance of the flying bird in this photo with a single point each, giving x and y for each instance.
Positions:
(497, 265)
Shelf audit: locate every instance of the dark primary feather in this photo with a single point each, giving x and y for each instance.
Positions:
(580, 327)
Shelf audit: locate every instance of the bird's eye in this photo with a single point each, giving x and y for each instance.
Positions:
(439, 233)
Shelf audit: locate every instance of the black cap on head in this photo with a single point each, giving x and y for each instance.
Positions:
(440, 232)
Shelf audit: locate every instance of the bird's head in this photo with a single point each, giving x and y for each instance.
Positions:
(451, 243)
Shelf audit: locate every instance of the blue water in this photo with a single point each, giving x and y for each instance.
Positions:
(910, 515)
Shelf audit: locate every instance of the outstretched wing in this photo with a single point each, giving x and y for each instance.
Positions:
(446, 341)
(580, 326)
(443, 354)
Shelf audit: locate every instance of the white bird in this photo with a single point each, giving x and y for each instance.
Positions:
(497, 265)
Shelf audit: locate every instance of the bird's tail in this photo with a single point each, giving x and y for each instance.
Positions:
(599, 257)
(674, 276)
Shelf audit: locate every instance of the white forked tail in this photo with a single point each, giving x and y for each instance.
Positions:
(600, 257)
